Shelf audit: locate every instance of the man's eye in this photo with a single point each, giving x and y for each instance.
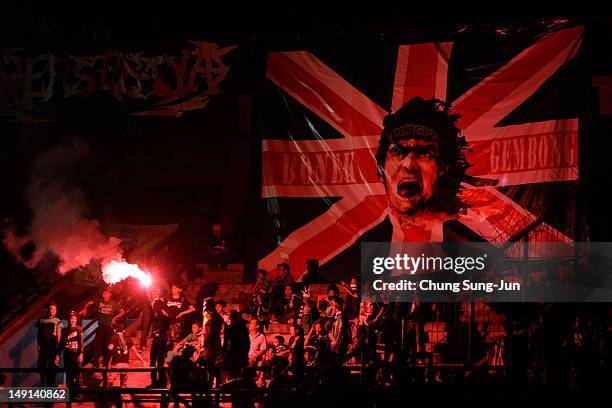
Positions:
(426, 154)
(396, 151)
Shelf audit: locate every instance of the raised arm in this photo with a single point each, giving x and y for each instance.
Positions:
(84, 310)
(190, 309)
(118, 315)
(348, 290)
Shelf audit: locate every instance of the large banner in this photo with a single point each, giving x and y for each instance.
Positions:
(474, 138)
(153, 84)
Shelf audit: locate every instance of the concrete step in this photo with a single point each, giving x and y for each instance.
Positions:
(232, 267)
(221, 276)
(279, 327)
(224, 290)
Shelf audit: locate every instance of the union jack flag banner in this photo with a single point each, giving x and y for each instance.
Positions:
(360, 140)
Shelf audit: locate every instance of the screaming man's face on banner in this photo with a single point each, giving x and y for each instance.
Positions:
(410, 173)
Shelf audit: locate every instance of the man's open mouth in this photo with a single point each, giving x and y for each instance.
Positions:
(408, 189)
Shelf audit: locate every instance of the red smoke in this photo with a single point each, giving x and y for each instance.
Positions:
(75, 245)
(59, 224)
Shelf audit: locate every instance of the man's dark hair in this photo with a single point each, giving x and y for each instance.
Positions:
(281, 339)
(259, 325)
(435, 115)
(298, 329)
(338, 301)
(177, 284)
(312, 262)
(48, 306)
(209, 305)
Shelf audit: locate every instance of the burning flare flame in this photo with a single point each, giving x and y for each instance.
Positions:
(116, 271)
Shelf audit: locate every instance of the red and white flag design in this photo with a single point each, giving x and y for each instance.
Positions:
(527, 153)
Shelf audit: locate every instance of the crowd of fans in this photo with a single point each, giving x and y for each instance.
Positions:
(207, 346)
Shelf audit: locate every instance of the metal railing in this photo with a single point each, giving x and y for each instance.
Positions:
(107, 395)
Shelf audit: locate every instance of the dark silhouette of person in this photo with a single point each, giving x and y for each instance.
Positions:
(48, 338)
(236, 345)
(312, 274)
